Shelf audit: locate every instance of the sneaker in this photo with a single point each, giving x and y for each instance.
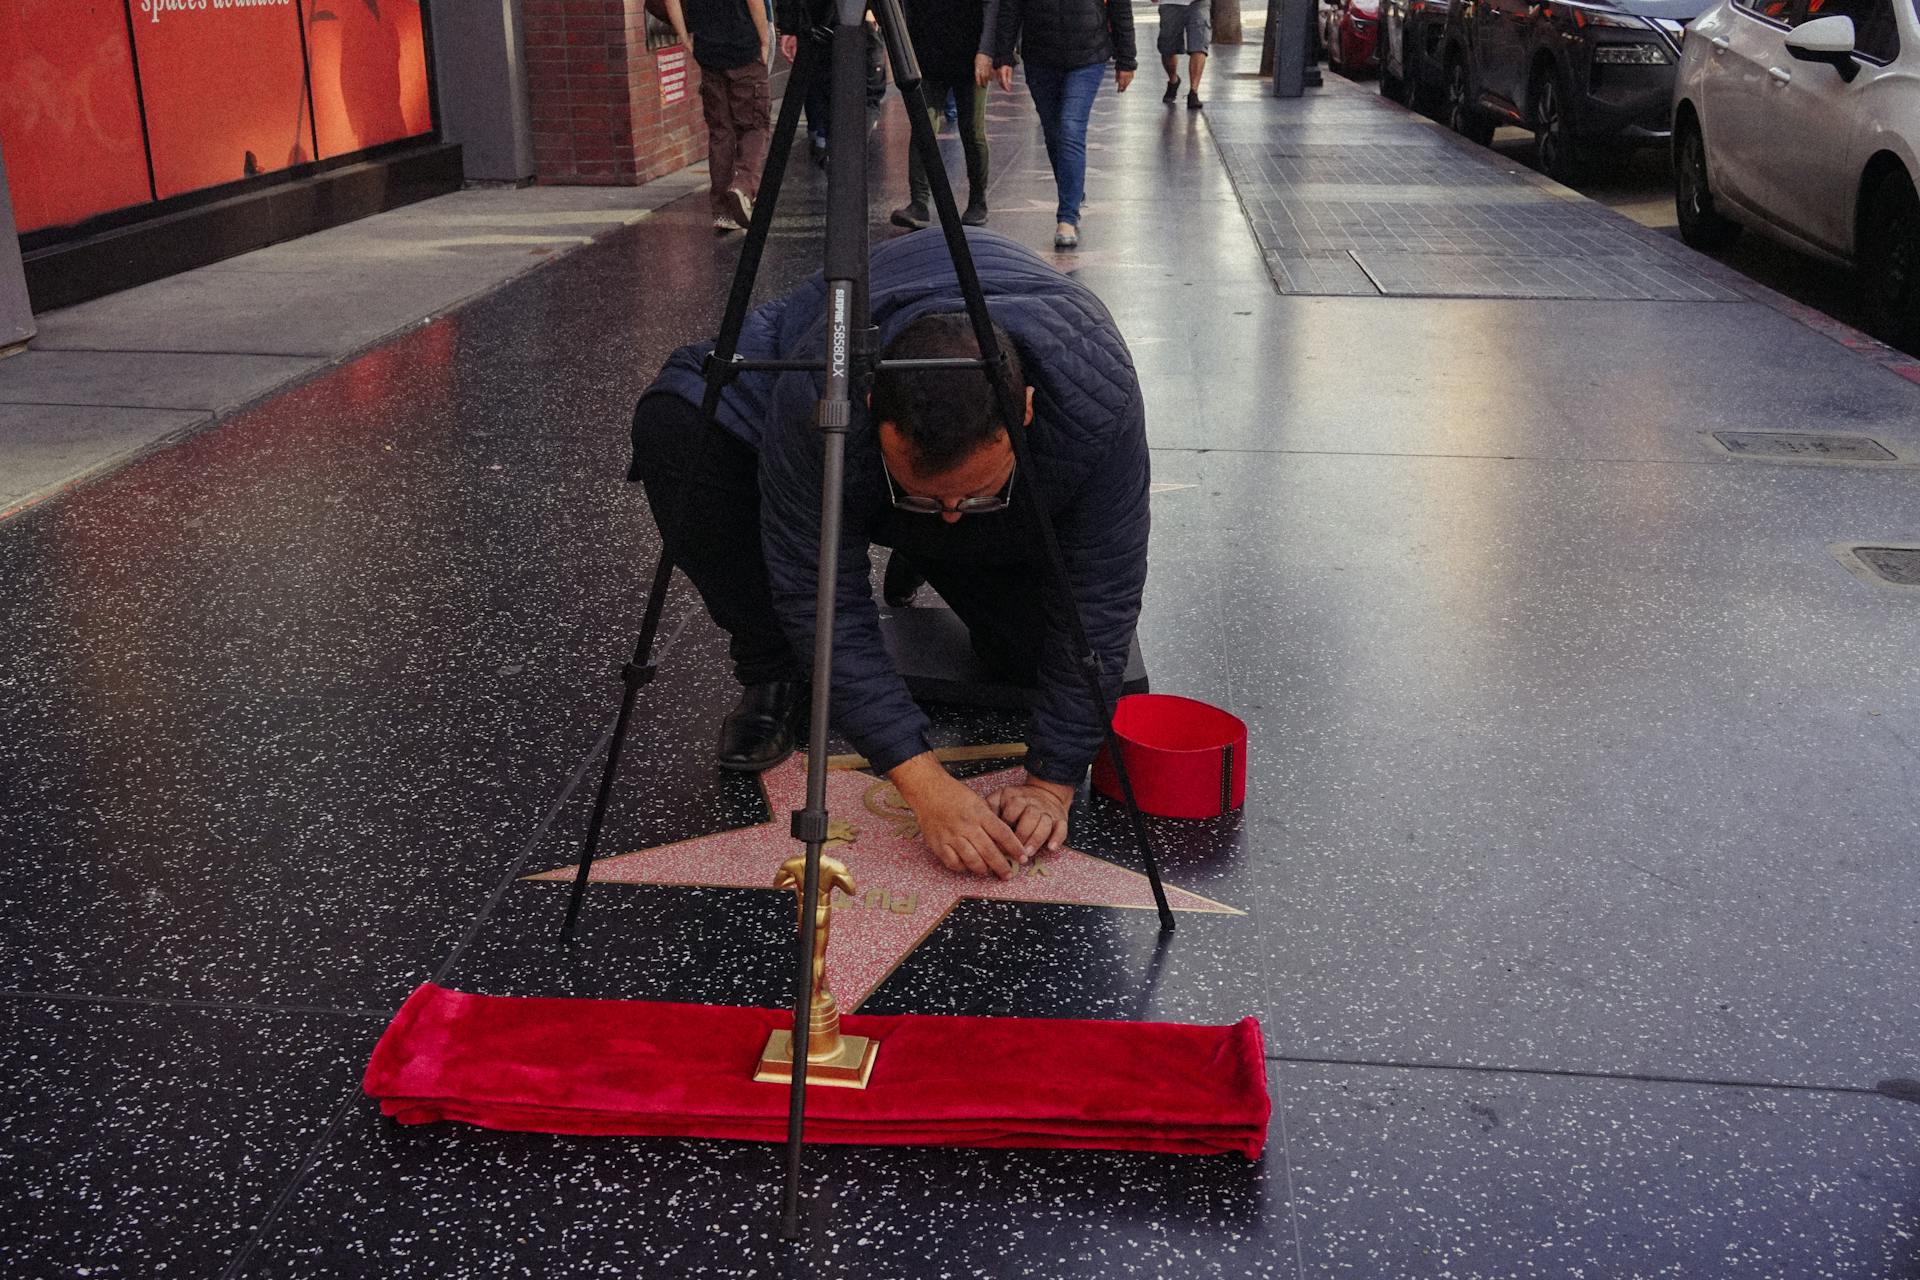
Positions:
(976, 214)
(1194, 103)
(817, 151)
(1066, 236)
(742, 205)
(725, 222)
(912, 216)
(1173, 91)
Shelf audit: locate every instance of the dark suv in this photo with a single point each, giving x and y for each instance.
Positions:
(1412, 39)
(1579, 74)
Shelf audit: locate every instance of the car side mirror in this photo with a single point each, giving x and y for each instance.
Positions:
(1828, 40)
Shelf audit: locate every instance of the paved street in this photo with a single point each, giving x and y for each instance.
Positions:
(1566, 581)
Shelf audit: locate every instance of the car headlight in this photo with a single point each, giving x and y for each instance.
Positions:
(1585, 15)
(1635, 55)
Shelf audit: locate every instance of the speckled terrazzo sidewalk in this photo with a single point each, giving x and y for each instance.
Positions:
(1578, 871)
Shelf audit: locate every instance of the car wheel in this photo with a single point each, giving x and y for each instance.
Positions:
(1463, 114)
(1558, 149)
(1700, 226)
(1890, 262)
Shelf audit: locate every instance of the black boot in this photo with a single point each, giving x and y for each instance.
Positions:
(759, 732)
(976, 214)
(902, 583)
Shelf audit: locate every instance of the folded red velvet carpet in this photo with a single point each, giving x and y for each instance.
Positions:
(686, 1070)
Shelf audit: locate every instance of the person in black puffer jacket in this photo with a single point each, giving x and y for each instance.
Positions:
(1067, 45)
(930, 473)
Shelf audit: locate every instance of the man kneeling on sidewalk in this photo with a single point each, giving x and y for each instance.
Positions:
(930, 473)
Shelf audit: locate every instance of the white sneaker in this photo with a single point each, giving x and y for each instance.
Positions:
(725, 222)
(1066, 236)
(742, 205)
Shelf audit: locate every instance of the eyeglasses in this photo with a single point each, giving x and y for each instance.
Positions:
(964, 507)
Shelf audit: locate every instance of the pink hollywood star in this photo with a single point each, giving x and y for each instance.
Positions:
(903, 893)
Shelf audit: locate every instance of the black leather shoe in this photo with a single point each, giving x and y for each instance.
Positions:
(902, 583)
(759, 732)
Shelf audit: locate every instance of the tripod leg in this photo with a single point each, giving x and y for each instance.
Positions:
(637, 672)
(1011, 411)
(807, 65)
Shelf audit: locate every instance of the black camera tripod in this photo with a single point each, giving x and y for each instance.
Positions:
(834, 29)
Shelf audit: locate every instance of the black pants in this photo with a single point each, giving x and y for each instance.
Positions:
(971, 99)
(819, 101)
(704, 487)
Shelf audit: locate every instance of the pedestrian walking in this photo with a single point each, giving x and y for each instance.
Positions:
(819, 100)
(1066, 45)
(729, 42)
(950, 36)
(1186, 26)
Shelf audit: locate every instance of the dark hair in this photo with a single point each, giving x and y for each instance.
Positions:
(945, 415)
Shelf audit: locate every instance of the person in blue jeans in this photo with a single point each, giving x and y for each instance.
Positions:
(1066, 45)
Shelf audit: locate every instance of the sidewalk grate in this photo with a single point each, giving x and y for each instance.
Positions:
(1899, 566)
(1805, 446)
(1422, 216)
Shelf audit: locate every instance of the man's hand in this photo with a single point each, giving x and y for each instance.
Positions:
(1036, 810)
(982, 69)
(789, 47)
(1006, 78)
(1122, 79)
(957, 824)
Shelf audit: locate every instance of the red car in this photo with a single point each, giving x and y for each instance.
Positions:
(1350, 33)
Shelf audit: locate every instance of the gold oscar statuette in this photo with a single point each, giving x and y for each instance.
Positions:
(844, 1062)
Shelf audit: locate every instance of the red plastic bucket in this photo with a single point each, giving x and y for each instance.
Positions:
(1186, 759)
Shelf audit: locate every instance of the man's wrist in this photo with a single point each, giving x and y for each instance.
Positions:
(916, 775)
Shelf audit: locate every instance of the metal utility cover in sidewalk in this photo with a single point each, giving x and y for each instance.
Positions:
(1892, 565)
(1804, 446)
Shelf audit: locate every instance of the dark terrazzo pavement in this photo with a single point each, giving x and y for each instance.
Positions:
(1577, 862)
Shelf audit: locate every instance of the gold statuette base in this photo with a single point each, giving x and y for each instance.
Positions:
(848, 1069)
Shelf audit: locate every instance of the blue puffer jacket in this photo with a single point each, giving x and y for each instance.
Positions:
(1089, 445)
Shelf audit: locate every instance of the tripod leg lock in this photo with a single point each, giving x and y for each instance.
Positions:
(833, 415)
(719, 372)
(810, 826)
(639, 674)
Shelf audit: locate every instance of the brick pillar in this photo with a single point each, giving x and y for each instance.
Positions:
(595, 91)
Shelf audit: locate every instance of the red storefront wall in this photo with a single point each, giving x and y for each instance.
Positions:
(599, 115)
